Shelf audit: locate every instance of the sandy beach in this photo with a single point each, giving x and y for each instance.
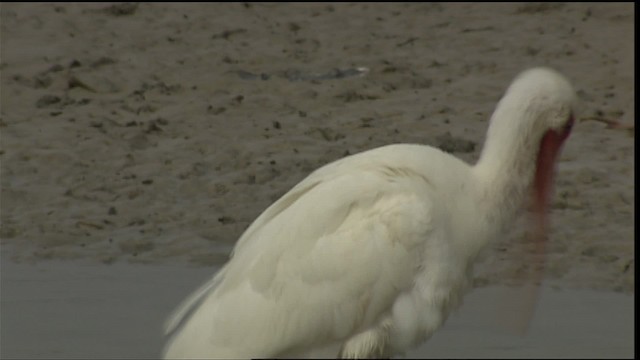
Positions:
(152, 134)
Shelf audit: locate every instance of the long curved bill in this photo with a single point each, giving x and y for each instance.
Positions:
(527, 298)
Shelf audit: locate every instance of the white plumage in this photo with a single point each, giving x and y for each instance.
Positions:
(367, 256)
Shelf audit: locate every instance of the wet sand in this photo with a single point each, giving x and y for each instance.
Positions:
(156, 133)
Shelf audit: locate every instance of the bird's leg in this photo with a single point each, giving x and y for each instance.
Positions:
(369, 344)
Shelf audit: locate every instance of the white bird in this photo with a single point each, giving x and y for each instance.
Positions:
(368, 255)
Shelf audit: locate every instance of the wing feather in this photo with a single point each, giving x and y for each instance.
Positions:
(326, 260)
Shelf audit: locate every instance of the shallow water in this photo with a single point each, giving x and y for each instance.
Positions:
(84, 310)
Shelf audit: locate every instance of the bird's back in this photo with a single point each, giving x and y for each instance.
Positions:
(324, 262)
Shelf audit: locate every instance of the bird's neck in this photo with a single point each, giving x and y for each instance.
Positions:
(505, 170)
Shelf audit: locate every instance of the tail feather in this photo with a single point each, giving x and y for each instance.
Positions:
(186, 308)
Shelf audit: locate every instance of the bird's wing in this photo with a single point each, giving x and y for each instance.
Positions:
(323, 262)
(188, 305)
(183, 311)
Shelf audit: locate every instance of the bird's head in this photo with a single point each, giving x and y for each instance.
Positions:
(531, 122)
(539, 101)
(547, 98)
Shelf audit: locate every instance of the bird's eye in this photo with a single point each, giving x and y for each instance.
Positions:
(569, 124)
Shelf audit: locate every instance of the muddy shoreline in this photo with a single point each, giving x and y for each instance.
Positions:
(129, 135)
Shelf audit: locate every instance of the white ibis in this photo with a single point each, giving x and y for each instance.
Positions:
(368, 255)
